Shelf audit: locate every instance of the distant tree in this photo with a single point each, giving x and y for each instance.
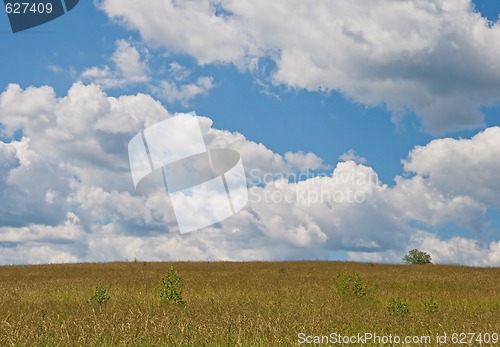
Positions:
(416, 256)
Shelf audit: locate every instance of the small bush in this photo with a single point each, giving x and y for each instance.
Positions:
(283, 271)
(171, 289)
(100, 295)
(431, 306)
(398, 307)
(416, 256)
(351, 284)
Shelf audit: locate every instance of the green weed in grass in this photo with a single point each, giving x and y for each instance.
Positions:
(351, 284)
(171, 288)
(100, 295)
(431, 306)
(398, 307)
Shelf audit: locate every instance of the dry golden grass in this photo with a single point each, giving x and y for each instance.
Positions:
(237, 304)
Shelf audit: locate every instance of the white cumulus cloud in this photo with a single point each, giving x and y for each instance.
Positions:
(438, 59)
(128, 67)
(67, 192)
(184, 92)
(351, 155)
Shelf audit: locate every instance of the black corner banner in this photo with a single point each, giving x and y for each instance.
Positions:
(26, 14)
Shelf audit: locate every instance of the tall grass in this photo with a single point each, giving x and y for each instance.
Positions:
(238, 304)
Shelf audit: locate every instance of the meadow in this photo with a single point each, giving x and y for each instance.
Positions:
(247, 304)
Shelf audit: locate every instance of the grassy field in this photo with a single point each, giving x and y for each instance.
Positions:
(245, 304)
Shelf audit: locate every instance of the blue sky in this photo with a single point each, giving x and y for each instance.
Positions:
(243, 71)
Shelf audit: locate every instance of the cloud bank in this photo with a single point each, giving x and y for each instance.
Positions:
(437, 59)
(67, 193)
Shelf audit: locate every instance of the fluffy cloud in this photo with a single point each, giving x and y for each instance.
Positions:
(434, 58)
(177, 88)
(465, 167)
(192, 27)
(184, 92)
(128, 61)
(67, 192)
(65, 173)
(459, 250)
(419, 200)
(342, 210)
(304, 161)
(351, 155)
(36, 255)
(128, 68)
(455, 250)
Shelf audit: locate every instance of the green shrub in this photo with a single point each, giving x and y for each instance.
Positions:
(431, 306)
(171, 288)
(398, 307)
(100, 295)
(416, 256)
(351, 284)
